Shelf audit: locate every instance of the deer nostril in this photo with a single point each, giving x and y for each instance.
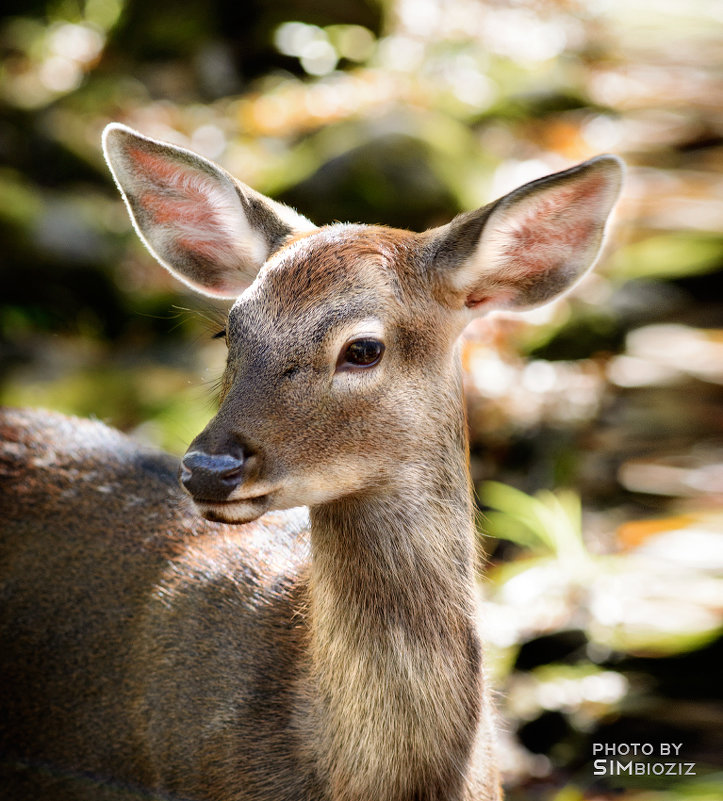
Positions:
(234, 474)
(211, 476)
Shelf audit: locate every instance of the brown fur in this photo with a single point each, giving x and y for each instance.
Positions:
(150, 653)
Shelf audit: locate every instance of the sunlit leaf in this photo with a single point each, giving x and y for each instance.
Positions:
(551, 520)
(670, 255)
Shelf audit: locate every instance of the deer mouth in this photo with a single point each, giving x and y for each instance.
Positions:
(239, 510)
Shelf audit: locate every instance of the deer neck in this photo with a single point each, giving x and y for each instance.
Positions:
(395, 658)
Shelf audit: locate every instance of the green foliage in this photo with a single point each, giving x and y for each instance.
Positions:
(157, 403)
(669, 255)
(548, 521)
(19, 202)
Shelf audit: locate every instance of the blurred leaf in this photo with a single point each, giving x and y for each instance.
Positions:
(569, 793)
(670, 255)
(156, 403)
(700, 788)
(552, 520)
(20, 204)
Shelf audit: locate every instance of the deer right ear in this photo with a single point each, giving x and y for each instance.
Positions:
(208, 229)
(531, 245)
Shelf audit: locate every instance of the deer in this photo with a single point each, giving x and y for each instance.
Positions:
(291, 612)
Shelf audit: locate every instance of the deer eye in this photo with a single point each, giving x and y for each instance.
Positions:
(360, 353)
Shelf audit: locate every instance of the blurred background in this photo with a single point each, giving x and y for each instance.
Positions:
(596, 424)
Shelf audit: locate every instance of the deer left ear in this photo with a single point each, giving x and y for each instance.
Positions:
(206, 228)
(531, 245)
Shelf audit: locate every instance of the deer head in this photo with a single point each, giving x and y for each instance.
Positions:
(341, 377)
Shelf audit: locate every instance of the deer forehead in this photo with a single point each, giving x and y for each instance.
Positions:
(329, 279)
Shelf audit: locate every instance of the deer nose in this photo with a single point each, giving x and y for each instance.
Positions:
(212, 476)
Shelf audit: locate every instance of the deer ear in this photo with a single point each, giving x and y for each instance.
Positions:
(208, 229)
(531, 245)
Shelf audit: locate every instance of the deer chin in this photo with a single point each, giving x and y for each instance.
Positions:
(243, 510)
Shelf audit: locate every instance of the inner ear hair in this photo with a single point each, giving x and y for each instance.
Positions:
(530, 245)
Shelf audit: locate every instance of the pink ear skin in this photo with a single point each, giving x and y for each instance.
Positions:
(208, 229)
(531, 245)
(174, 197)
